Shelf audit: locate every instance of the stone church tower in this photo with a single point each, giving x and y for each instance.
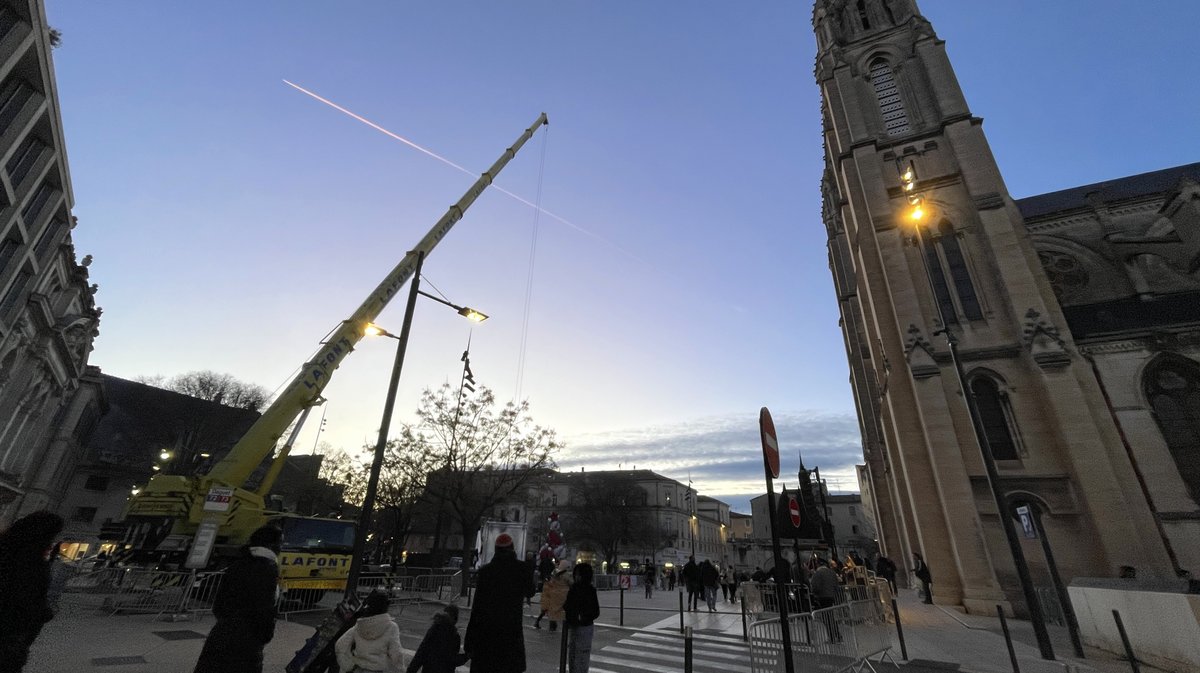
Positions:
(890, 101)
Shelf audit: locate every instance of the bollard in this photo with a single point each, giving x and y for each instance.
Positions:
(687, 650)
(1012, 654)
(622, 618)
(1133, 662)
(681, 612)
(745, 631)
(899, 631)
(562, 652)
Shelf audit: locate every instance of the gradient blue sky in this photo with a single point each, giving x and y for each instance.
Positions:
(234, 221)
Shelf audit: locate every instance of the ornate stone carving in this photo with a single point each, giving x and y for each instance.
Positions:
(922, 361)
(1044, 342)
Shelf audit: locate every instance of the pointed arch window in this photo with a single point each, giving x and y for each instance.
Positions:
(1172, 385)
(950, 276)
(996, 418)
(958, 272)
(887, 92)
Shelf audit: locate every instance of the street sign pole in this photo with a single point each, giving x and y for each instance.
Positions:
(771, 470)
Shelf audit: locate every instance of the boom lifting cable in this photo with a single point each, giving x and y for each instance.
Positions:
(537, 210)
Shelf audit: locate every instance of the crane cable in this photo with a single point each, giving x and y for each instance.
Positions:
(537, 211)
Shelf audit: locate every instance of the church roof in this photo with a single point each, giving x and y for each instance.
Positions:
(1108, 191)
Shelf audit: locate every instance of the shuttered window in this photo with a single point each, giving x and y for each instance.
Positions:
(895, 119)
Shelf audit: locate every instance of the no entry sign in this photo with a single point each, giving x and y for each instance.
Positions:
(794, 510)
(770, 442)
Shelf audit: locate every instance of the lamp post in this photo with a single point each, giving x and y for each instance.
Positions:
(368, 506)
(916, 215)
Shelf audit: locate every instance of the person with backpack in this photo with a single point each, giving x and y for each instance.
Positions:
(438, 651)
(581, 608)
(373, 644)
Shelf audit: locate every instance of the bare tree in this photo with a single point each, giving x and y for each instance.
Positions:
(481, 455)
(610, 510)
(214, 387)
(401, 487)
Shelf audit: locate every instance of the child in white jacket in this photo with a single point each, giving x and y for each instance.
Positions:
(373, 645)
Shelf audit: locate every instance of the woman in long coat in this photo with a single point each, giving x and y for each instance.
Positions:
(24, 580)
(244, 608)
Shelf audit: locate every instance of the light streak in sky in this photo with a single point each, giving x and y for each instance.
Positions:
(446, 161)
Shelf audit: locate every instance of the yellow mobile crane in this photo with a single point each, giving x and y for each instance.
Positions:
(163, 518)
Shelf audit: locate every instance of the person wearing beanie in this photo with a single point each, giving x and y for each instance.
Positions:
(373, 645)
(24, 583)
(245, 608)
(438, 651)
(495, 639)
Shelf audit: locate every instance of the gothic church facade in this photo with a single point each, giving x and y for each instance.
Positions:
(1077, 317)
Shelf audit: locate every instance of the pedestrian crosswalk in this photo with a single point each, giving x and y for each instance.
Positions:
(649, 652)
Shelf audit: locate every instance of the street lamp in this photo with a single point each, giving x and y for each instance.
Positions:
(364, 519)
(917, 216)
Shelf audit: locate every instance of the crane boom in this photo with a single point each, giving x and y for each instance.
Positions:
(260, 439)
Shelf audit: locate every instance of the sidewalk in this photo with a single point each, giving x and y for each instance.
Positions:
(141, 644)
(937, 637)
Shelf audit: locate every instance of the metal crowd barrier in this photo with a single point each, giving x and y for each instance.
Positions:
(831, 640)
(138, 591)
(114, 591)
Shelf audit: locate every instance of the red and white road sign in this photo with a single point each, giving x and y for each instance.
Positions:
(770, 442)
(794, 510)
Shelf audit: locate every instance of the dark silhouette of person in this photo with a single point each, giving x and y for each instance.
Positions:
(24, 581)
(495, 640)
(245, 608)
(921, 570)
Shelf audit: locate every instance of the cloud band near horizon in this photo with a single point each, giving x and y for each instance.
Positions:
(723, 454)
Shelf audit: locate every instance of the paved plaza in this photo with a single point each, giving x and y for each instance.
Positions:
(937, 638)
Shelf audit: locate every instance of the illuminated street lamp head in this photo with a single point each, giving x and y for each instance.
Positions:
(135, 490)
(165, 455)
(916, 214)
(471, 314)
(372, 329)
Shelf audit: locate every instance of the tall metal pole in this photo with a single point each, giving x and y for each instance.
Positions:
(1060, 589)
(989, 465)
(781, 580)
(364, 519)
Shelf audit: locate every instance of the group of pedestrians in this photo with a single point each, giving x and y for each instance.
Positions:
(704, 580)
(495, 640)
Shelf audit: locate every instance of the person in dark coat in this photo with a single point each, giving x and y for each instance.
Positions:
(691, 581)
(582, 608)
(710, 577)
(244, 608)
(921, 570)
(438, 651)
(24, 581)
(495, 639)
(885, 568)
